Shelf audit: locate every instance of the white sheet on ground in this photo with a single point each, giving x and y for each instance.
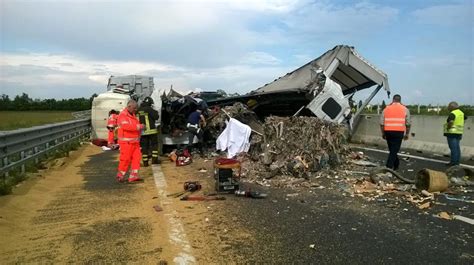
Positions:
(234, 138)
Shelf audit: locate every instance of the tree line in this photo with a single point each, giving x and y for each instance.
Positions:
(24, 103)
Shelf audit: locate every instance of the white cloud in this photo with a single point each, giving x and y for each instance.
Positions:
(256, 58)
(69, 64)
(64, 73)
(70, 48)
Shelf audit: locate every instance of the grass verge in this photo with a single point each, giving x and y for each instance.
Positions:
(12, 120)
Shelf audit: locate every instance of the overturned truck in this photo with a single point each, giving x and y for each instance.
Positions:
(323, 88)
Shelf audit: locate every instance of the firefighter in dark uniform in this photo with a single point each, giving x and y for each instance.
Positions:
(149, 138)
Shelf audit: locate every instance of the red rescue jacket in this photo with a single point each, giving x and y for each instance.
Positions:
(129, 127)
(112, 121)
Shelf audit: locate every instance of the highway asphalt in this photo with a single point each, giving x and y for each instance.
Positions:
(325, 226)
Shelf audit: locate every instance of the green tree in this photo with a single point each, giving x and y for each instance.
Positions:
(5, 102)
(22, 102)
(221, 92)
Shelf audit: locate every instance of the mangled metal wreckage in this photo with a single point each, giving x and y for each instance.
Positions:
(324, 88)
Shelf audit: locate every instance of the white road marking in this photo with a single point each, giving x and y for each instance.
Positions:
(412, 156)
(176, 234)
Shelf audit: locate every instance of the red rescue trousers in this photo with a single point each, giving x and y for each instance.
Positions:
(129, 154)
(110, 137)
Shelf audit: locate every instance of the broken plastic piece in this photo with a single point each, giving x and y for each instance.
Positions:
(444, 215)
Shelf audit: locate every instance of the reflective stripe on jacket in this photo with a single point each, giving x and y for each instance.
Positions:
(458, 123)
(148, 117)
(394, 117)
(128, 127)
(145, 120)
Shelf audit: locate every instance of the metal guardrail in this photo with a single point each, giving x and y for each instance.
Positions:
(23, 145)
(85, 114)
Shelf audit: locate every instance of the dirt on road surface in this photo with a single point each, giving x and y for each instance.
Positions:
(76, 212)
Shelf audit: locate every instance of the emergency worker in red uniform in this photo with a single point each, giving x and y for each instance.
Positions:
(129, 130)
(395, 126)
(112, 126)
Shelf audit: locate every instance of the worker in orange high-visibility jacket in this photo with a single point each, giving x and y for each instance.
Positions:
(395, 126)
(129, 130)
(112, 127)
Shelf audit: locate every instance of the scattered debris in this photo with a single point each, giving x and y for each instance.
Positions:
(394, 173)
(364, 163)
(192, 186)
(424, 205)
(444, 215)
(157, 208)
(250, 194)
(297, 147)
(216, 122)
(427, 194)
(202, 198)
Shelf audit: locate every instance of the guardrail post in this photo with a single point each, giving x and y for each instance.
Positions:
(35, 150)
(5, 163)
(22, 156)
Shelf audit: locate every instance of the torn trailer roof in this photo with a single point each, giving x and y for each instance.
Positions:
(289, 93)
(342, 64)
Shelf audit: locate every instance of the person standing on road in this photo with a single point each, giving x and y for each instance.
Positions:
(129, 129)
(453, 130)
(395, 126)
(112, 126)
(195, 121)
(149, 139)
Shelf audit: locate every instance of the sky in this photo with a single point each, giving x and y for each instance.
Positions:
(64, 49)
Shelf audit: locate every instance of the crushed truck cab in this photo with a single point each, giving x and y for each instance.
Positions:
(323, 87)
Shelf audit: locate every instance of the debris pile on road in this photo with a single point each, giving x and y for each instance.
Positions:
(296, 146)
(239, 111)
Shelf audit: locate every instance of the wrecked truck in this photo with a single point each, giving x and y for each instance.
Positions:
(173, 107)
(324, 87)
(120, 89)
